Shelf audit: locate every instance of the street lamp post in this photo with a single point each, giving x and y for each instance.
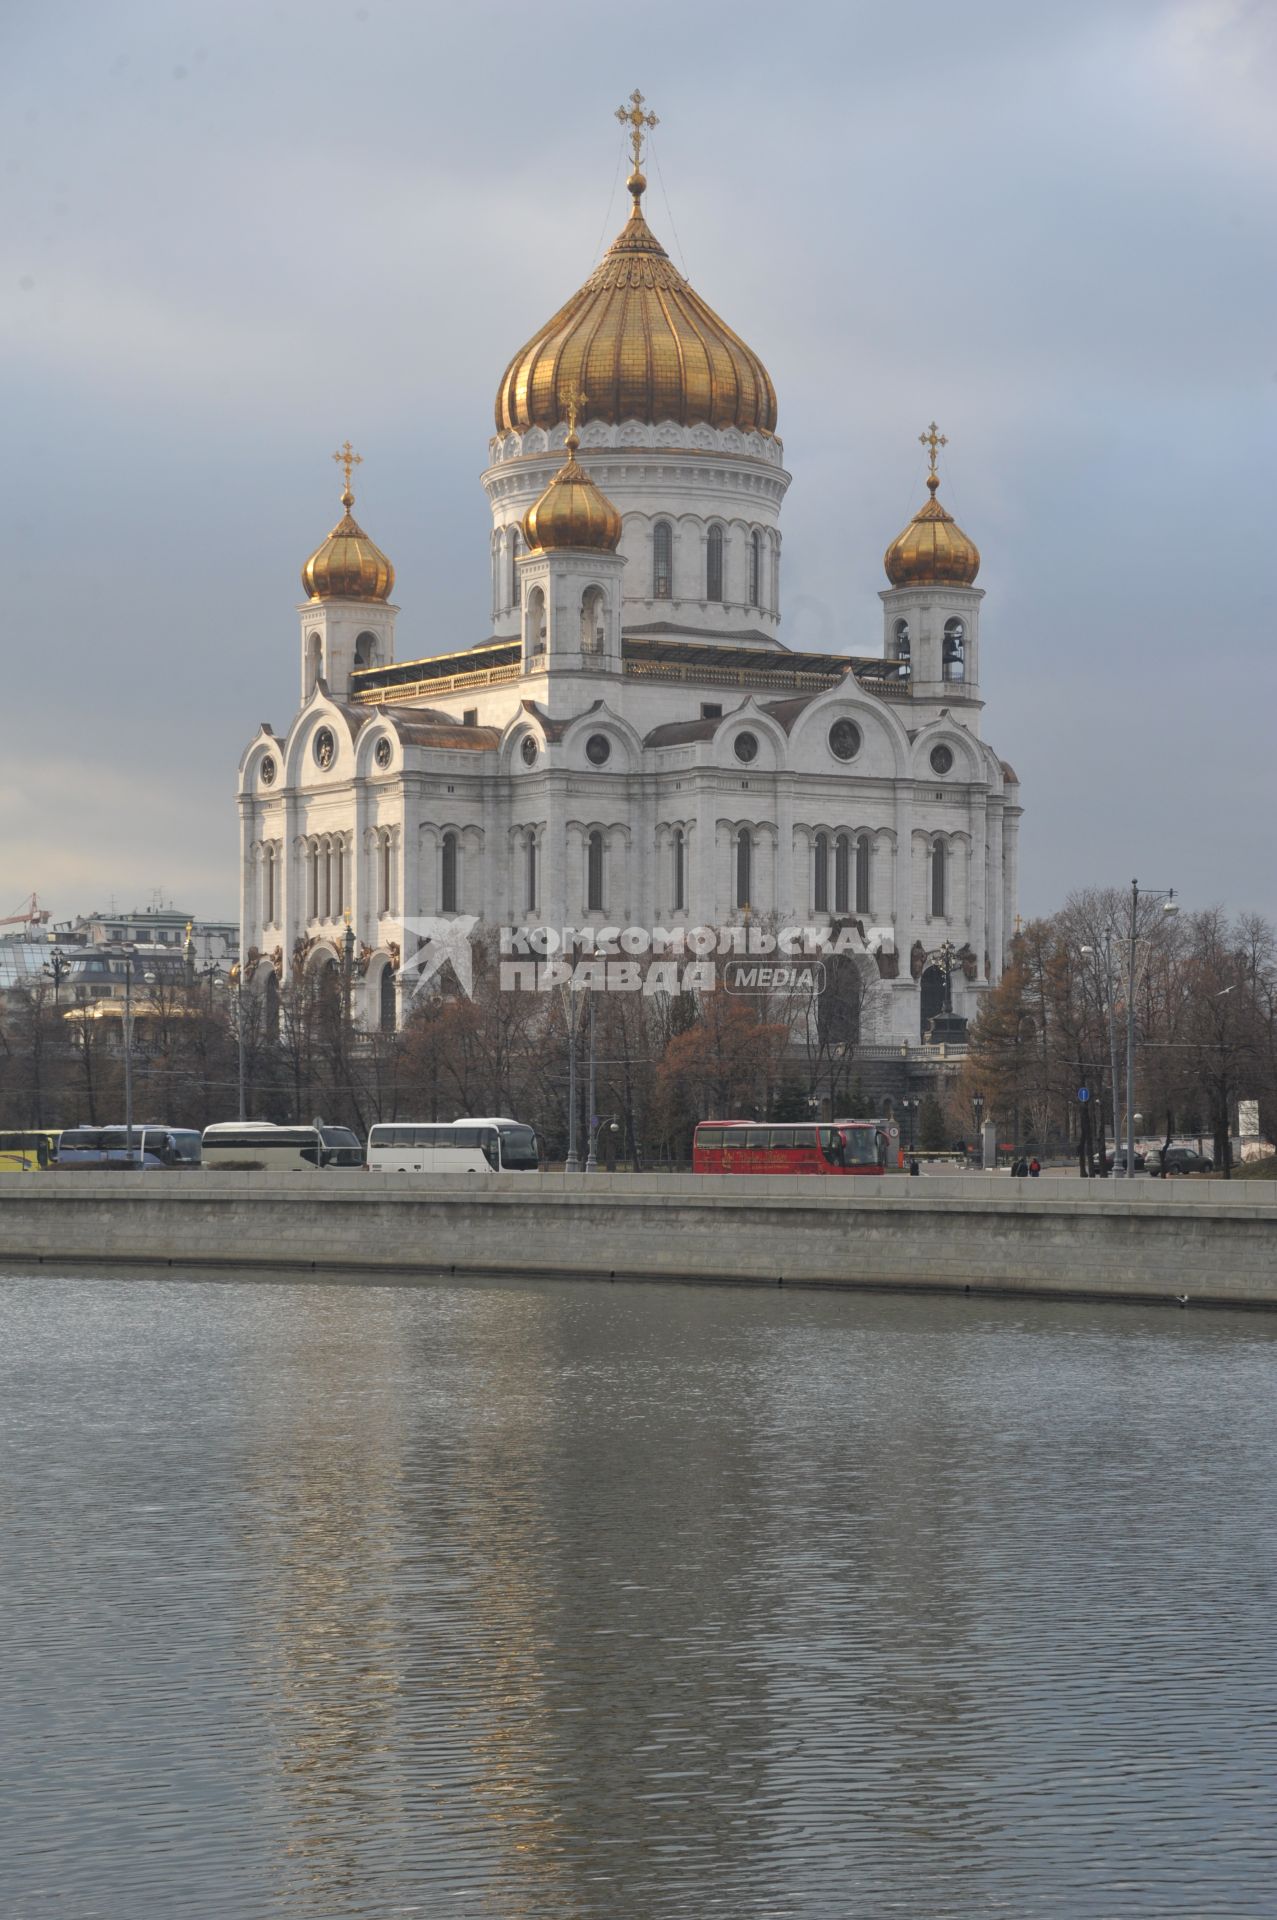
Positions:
(1091, 953)
(977, 1108)
(910, 1106)
(591, 1159)
(1169, 907)
(573, 1162)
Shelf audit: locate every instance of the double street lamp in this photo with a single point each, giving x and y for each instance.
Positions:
(1170, 907)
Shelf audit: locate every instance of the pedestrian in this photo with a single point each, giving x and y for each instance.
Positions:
(1035, 1167)
(913, 1165)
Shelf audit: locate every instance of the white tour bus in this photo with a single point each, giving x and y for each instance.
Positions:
(466, 1146)
(258, 1146)
(152, 1146)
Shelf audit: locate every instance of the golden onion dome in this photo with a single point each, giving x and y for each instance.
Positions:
(348, 566)
(933, 550)
(572, 512)
(642, 344)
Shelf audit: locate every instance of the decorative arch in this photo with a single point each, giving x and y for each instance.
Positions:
(594, 607)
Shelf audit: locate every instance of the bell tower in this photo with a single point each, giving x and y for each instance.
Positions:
(570, 576)
(347, 621)
(931, 611)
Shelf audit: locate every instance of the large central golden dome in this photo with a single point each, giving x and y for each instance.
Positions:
(642, 345)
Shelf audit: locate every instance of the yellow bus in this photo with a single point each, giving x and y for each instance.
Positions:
(28, 1152)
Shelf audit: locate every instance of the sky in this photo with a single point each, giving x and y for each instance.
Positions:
(237, 234)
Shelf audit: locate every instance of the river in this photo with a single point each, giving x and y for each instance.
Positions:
(562, 1601)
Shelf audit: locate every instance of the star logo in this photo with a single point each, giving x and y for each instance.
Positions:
(440, 943)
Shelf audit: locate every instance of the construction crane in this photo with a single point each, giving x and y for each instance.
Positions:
(32, 915)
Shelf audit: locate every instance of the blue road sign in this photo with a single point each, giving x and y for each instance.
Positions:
(1084, 1094)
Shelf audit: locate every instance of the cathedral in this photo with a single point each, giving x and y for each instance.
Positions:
(634, 744)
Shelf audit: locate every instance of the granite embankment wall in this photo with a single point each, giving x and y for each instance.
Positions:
(1216, 1241)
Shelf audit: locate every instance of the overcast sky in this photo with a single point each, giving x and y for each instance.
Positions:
(236, 233)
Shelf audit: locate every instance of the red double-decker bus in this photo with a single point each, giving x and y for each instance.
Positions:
(752, 1146)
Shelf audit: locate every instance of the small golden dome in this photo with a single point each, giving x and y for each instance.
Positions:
(572, 512)
(642, 344)
(348, 566)
(933, 550)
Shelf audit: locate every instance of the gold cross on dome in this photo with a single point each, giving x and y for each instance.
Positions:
(932, 439)
(572, 405)
(347, 457)
(636, 119)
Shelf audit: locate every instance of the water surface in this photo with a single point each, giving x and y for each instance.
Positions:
(589, 1602)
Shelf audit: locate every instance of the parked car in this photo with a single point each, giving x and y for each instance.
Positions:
(1117, 1161)
(1180, 1160)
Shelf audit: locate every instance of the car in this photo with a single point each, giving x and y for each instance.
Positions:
(1180, 1160)
(1117, 1161)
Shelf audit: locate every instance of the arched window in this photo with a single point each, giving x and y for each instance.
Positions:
(448, 889)
(755, 568)
(534, 626)
(271, 1019)
(901, 648)
(714, 564)
(387, 997)
(269, 916)
(385, 871)
(775, 569)
(593, 609)
(744, 866)
(326, 867)
(339, 877)
(955, 649)
(938, 881)
(842, 874)
(365, 650)
(594, 873)
(314, 659)
(314, 879)
(862, 874)
(680, 868)
(820, 889)
(662, 560)
(531, 871)
(516, 548)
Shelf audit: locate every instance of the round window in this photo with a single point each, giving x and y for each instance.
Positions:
(745, 747)
(268, 772)
(942, 759)
(325, 747)
(381, 753)
(528, 749)
(844, 739)
(598, 749)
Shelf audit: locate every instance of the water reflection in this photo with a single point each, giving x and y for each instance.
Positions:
(585, 1601)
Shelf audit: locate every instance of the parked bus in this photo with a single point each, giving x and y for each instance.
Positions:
(258, 1146)
(29, 1152)
(464, 1146)
(749, 1146)
(152, 1146)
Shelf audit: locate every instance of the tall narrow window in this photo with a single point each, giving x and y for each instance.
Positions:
(531, 860)
(714, 564)
(314, 879)
(755, 568)
(955, 650)
(270, 886)
(744, 866)
(662, 560)
(680, 869)
(385, 872)
(776, 573)
(938, 888)
(387, 1007)
(594, 873)
(820, 888)
(448, 890)
(516, 548)
(339, 878)
(862, 874)
(842, 874)
(328, 879)
(901, 648)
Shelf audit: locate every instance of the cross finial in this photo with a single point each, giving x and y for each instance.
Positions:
(347, 457)
(933, 440)
(573, 404)
(634, 117)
